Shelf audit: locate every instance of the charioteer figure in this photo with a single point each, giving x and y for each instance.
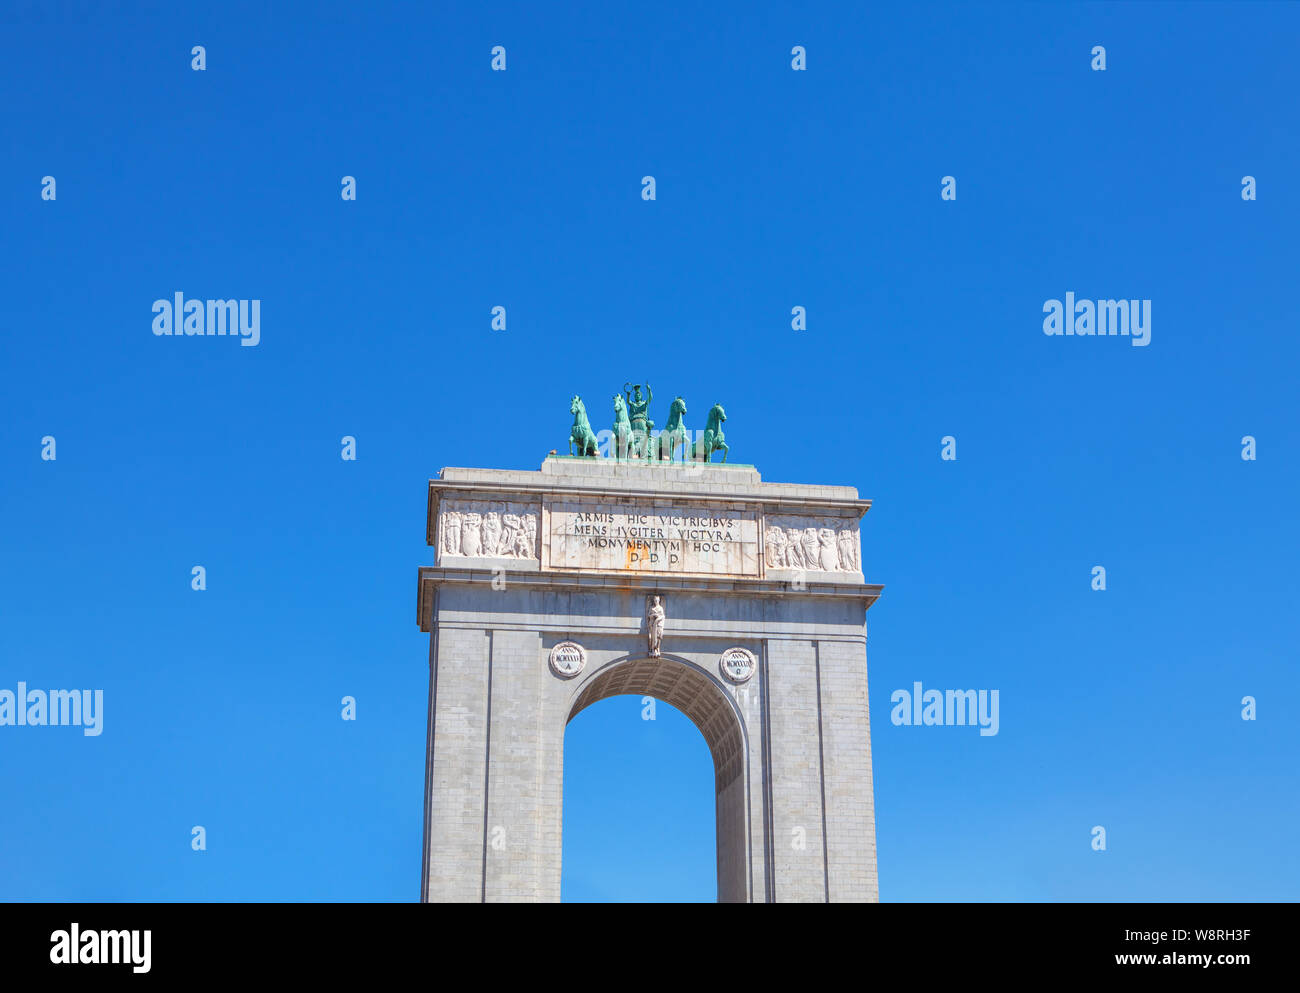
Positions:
(637, 410)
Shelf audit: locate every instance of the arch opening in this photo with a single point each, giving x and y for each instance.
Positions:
(690, 690)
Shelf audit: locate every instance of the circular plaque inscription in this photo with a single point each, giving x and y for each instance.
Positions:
(568, 658)
(738, 664)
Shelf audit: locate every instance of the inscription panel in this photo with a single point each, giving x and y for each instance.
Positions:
(653, 538)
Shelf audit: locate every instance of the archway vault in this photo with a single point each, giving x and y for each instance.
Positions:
(683, 685)
(680, 683)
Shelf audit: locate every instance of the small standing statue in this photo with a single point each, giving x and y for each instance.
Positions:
(654, 626)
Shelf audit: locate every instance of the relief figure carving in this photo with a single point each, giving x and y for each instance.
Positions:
(816, 544)
(488, 529)
(451, 532)
(469, 535)
(811, 556)
(830, 554)
(848, 550)
(774, 548)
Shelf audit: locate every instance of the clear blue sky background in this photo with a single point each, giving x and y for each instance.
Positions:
(775, 188)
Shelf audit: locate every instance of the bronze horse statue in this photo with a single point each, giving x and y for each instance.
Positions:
(673, 434)
(713, 440)
(622, 430)
(581, 431)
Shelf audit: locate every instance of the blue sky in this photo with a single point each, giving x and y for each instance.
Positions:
(775, 189)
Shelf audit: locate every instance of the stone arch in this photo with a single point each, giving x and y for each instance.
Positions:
(706, 703)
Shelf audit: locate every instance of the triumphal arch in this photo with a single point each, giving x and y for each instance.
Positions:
(741, 603)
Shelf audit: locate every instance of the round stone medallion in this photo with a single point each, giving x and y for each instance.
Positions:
(738, 664)
(568, 658)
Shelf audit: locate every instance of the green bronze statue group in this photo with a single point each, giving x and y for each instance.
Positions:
(634, 437)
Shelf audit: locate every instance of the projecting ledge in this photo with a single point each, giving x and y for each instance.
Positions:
(431, 577)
